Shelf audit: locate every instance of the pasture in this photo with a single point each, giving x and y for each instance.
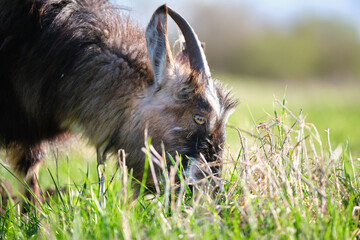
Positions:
(328, 105)
(283, 178)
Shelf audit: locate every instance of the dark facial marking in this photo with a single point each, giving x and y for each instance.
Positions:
(202, 104)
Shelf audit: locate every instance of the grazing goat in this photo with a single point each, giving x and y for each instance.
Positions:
(80, 66)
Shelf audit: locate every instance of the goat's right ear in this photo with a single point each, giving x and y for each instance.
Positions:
(158, 45)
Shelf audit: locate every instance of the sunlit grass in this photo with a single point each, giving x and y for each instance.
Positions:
(328, 105)
(284, 178)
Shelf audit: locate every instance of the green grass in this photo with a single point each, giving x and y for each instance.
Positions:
(282, 180)
(328, 105)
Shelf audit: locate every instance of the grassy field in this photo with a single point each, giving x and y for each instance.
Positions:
(283, 179)
(332, 106)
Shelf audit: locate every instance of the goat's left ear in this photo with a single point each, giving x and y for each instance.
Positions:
(158, 45)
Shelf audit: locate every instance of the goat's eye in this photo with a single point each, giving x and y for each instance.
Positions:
(199, 119)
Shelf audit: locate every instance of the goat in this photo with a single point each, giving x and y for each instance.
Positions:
(79, 66)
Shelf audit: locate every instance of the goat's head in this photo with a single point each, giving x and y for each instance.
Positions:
(185, 109)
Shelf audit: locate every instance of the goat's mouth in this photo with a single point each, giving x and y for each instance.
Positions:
(201, 172)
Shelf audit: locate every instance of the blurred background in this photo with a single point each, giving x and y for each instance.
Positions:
(305, 50)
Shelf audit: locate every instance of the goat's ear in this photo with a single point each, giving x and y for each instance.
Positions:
(158, 45)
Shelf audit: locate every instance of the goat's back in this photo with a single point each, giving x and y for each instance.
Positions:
(50, 51)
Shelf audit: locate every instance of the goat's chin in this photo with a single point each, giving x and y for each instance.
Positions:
(194, 174)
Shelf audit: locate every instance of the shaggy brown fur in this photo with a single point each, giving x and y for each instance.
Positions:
(80, 66)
